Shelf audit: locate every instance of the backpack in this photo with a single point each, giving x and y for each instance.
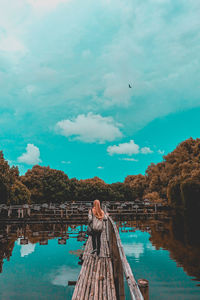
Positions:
(97, 225)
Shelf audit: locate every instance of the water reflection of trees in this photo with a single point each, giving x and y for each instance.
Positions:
(180, 236)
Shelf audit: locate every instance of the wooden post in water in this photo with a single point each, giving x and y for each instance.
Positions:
(144, 288)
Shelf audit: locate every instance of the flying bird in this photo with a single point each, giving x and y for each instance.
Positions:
(130, 87)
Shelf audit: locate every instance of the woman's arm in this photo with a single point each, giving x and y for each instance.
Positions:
(90, 215)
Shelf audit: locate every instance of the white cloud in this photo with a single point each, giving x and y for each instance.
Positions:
(12, 44)
(161, 152)
(129, 159)
(31, 156)
(66, 162)
(129, 149)
(163, 68)
(30, 89)
(146, 150)
(45, 4)
(100, 167)
(90, 128)
(124, 148)
(117, 91)
(86, 53)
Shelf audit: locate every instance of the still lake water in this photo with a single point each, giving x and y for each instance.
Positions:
(38, 272)
(167, 280)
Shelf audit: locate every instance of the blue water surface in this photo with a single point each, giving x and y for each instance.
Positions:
(37, 272)
(167, 279)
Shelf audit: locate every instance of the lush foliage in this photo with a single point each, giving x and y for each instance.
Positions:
(178, 176)
(177, 179)
(47, 185)
(11, 189)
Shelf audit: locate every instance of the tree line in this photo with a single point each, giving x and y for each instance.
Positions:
(174, 181)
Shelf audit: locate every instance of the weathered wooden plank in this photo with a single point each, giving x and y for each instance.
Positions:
(104, 281)
(108, 281)
(81, 289)
(87, 246)
(74, 297)
(89, 280)
(112, 280)
(79, 283)
(101, 278)
(91, 296)
(86, 278)
(96, 287)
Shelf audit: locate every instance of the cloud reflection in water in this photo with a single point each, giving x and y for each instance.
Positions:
(134, 249)
(62, 275)
(26, 249)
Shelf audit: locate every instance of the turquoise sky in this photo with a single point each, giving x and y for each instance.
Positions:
(65, 70)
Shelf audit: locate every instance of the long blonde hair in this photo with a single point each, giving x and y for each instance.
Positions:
(97, 211)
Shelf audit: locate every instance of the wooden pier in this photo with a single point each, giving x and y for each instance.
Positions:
(96, 277)
(76, 212)
(102, 277)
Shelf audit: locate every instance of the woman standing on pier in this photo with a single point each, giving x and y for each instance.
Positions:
(96, 217)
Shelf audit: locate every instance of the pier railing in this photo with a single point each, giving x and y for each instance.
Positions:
(120, 264)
